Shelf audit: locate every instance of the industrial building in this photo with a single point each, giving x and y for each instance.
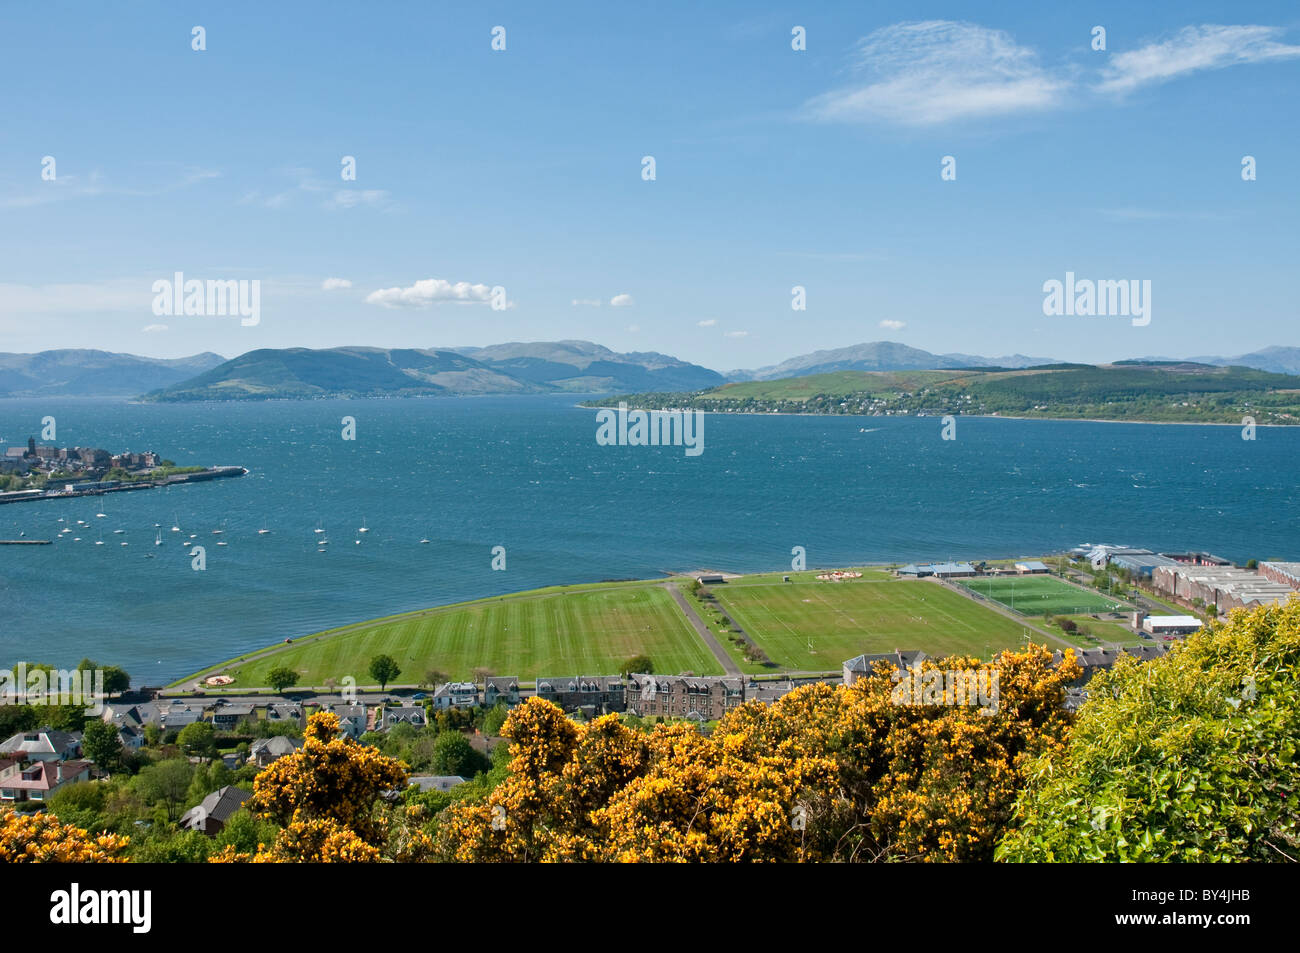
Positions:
(1222, 587)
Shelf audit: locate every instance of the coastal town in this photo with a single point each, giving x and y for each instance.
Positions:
(36, 472)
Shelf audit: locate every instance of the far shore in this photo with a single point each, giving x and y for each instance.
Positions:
(1074, 420)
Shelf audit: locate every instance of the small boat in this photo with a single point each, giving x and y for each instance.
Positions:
(126, 544)
(100, 516)
(158, 539)
(194, 535)
(357, 541)
(363, 528)
(76, 539)
(118, 532)
(150, 556)
(263, 531)
(424, 542)
(322, 542)
(222, 542)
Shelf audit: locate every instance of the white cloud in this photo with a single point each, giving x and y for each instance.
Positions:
(736, 334)
(893, 325)
(933, 71)
(154, 327)
(335, 284)
(620, 301)
(586, 302)
(1194, 48)
(707, 322)
(430, 291)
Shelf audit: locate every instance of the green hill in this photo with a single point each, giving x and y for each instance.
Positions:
(1173, 392)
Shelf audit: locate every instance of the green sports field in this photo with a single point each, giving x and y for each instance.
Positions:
(556, 632)
(873, 614)
(1034, 595)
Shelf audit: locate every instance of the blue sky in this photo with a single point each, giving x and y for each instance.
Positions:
(774, 168)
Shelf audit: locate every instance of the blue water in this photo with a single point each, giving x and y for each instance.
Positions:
(526, 473)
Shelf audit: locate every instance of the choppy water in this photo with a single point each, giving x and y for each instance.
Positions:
(526, 473)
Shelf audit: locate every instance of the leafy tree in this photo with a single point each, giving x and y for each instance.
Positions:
(1190, 757)
(494, 719)
(28, 838)
(16, 718)
(453, 754)
(281, 678)
(637, 665)
(116, 680)
(165, 783)
(152, 735)
(433, 678)
(384, 669)
(199, 739)
(243, 832)
(101, 744)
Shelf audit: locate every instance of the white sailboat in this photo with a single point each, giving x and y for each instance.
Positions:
(158, 539)
(319, 527)
(363, 528)
(176, 524)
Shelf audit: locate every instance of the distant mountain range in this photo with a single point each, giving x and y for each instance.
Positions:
(515, 368)
(879, 356)
(1279, 360)
(83, 373)
(546, 367)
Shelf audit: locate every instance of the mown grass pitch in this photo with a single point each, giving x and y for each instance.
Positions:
(1034, 595)
(589, 631)
(873, 614)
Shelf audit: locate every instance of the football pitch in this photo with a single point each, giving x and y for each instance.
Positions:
(809, 626)
(1035, 595)
(582, 631)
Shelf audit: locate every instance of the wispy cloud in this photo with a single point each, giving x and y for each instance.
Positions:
(707, 322)
(152, 328)
(621, 301)
(586, 302)
(335, 284)
(736, 334)
(430, 291)
(1192, 49)
(891, 325)
(67, 186)
(934, 71)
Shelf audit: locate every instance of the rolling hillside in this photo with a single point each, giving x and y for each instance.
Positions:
(88, 373)
(1182, 392)
(572, 366)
